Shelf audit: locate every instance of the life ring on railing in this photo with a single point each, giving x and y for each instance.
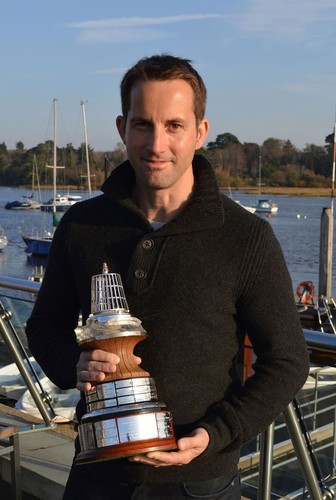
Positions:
(305, 291)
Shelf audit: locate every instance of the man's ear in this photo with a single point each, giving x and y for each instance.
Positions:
(202, 132)
(121, 125)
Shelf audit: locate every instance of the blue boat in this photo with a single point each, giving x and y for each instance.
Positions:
(38, 245)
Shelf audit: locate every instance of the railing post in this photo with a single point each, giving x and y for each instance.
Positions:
(326, 252)
(266, 463)
(302, 454)
(46, 414)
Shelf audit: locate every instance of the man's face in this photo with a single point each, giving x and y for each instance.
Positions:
(160, 133)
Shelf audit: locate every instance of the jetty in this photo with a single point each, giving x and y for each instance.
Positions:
(35, 458)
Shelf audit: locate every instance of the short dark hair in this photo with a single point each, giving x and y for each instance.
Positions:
(164, 67)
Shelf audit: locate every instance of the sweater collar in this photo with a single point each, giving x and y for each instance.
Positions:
(203, 211)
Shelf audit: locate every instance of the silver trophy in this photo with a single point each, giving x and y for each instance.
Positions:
(124, 416)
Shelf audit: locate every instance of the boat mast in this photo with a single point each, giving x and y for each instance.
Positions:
(55, 156)
(54, 166)
(35, 169)
(259, 182)
(333, 169)
(86, 149)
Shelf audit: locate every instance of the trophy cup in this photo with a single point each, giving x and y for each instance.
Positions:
(124, 416)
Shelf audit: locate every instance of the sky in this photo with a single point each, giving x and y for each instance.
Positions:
(269, 65)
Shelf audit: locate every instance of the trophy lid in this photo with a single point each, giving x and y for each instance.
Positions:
(110, 316)
(107, 293)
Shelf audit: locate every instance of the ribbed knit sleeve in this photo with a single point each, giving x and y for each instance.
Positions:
(51, 328)
(267, 311)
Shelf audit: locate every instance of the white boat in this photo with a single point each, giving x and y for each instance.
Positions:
(60, 204)
(248, 208)
(14, 387)
(3, 239)
(266, 206)
(28, 202)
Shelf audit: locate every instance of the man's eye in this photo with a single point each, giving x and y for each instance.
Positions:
(175, 126)
(141, 125)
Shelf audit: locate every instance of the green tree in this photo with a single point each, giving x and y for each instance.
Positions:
(223, 141)
(252, 154)
(3, 149)
(271, 151)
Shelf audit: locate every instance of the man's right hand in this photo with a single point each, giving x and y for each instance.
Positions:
(93, 366)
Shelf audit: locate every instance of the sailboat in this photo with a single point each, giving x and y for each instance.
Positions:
(248, 208)
(58, 203)
(40, 244)
(88, 175)
(28, 203)
(264, 205)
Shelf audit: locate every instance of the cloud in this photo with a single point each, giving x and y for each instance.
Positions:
(123, 22)
(116, 35)
(293, 19)
(130, 29)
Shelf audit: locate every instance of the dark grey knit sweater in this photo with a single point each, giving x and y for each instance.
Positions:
(208, 276)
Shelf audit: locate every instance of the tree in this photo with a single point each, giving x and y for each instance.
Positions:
(223, 141)
(3, 149)
(315, 158)
(252, 154)
(290, 153)
(271, 151)
(19, 146)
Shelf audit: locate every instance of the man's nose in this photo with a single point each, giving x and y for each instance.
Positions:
(158, 139)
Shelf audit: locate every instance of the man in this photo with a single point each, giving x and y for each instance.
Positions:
(199, 271)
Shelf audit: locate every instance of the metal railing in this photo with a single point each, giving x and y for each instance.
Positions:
(263, 460)
(261, 463)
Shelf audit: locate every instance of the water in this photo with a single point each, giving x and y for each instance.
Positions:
(297, 227)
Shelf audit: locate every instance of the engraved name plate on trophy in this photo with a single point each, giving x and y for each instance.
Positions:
(124, 416)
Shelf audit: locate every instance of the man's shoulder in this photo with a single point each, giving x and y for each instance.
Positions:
(91, 206)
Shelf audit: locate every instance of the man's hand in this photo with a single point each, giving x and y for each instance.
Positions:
(93, 366)
(189, 447)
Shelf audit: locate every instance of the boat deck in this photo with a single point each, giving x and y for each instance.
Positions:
(46, 455)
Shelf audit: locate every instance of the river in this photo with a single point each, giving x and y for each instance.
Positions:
(296, 225)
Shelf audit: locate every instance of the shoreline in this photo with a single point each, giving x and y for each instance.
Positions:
(265, 190)
(277, 190)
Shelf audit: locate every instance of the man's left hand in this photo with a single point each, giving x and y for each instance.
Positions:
(189, 447)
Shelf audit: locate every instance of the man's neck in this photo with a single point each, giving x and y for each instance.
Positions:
(161, 205)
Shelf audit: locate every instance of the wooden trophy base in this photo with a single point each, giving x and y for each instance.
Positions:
(125, 450)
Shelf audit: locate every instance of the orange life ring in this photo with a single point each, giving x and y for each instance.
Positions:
(305, 291)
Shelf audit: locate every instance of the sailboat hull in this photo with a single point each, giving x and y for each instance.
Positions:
(23, 205)
(37, 246)
(50, 208)
(60, 204)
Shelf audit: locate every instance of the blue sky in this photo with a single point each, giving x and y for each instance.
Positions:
(269, 65)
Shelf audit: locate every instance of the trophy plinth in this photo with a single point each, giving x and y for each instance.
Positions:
(124, 416)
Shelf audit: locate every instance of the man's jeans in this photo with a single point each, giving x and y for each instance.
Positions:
(81, 487)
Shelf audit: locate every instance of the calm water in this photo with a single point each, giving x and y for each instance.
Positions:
(298, 236)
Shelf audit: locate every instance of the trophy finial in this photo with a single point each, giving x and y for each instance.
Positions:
(107, 292)
(105, 269)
